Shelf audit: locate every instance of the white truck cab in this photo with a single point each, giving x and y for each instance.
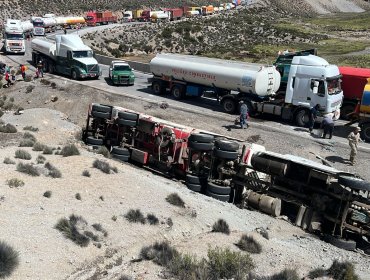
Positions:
(14, 39)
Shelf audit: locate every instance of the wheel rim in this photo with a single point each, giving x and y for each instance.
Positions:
(366, 132)
(176, 93)
(303, 117)
(156, 88)
(229, 106)
(74, 76)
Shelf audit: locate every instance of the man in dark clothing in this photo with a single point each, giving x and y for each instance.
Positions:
(40, 69)
(328, 125)
(243, 115)
(313, 116)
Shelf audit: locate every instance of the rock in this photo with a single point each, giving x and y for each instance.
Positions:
(54, 98)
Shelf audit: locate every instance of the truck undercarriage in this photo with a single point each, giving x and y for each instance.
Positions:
(315, 197)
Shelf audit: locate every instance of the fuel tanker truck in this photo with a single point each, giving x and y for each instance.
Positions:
(258, 85)
(68, 55)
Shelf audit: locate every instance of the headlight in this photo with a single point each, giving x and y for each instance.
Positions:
(83, 70)
(115, 76)
(132, 76)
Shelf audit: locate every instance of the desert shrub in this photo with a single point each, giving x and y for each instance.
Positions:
(8, 161)
(26, 143)
(186, 267)
(160, 253)
(8, 260)
(103, 151)
(22, 154)
(47, 150)
(30, 136)
(226, 264)
(152, 219)
(249, 244)
(286, 274)
(53, 85)
(103, 166)
(53, 171)
(47, 194)
(28, 78)
(101, 198)
(8, 105)
(70, 150)
(45, 82)
(28, 169)
(114, 169)
(114, 218)
(40, 159)
(29, 88)
(91, 235)
(99, 227)
(78, 196)
(135, 216)
(11, 99)
(175, 199)
(71, 229)
(38, 147)
(31, 128)
(342, 271)
(86, 173)
(8, 128)
(221, 226)
(15, 183)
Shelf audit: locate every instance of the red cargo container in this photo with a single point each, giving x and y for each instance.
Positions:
(175, 13)
(353, 83)
(99, 18)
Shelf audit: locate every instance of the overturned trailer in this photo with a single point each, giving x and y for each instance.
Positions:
(318, 198)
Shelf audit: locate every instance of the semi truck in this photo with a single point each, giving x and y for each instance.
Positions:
(13, 35)
(67, 55)
(318, 198)
(175, 13)
(207, 10)
(127, 16)
(27, 27)
(257, 85)
(94, 18)
(160, 16)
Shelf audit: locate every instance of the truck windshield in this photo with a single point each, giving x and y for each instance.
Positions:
(12, 36)
(89, 18)
(122, 68)
(334, 86)
(82, 54)
(38, 24)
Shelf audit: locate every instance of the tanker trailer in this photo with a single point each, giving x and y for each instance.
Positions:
(256, 84)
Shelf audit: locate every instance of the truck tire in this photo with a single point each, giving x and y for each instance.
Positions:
(120, 151)
(217, 189)
(229, 105)
(198, 146)
(347, 109)
(302, 117)
(101, 108)
(51, 68)
(225, 145)
(126, 122)
(349, 245)
(74, 75)
(101, 115)
(90, 140)
(202, 138)
(128, 116)
(194, 187)
(192, 179)
(226, 154)
(123, 158)
(353, 182)
(365, 131)
(157, 88)
(177, 92)
(220, 197)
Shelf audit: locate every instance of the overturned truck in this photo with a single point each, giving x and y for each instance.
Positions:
(315, 197)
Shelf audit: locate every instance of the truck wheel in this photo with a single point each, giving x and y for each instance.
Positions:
(302, 118)
(128, 116)
(217, 189)
(157, 88)
(199, 137)
(229, 105)
(365, 132)
(51, 68)
(194, 187)
(347, 109)
(348, 245)
(120, 151)
(353, 183)
(101, 108)
(198, 146)
(226, 154)
(90, 140)
(74, 75)
(227, 145)
(177, 92)
(220, 197)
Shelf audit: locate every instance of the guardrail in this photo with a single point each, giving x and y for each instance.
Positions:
(139, 66)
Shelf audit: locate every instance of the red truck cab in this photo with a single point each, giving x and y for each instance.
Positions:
(353, 83)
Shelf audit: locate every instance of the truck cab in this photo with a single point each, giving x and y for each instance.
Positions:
(127, 16)
(120, 73)
(14, 39)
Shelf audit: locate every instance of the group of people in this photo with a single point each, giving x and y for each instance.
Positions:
(10, 75)
(327, 125)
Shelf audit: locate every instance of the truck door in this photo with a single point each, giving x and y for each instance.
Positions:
(317, 93)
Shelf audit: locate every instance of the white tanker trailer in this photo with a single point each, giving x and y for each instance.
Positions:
(256, 84)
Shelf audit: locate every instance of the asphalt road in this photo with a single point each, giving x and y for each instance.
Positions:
(201, 106)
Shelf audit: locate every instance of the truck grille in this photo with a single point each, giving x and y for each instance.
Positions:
(15, 44)
(92, 68)
(124, 79)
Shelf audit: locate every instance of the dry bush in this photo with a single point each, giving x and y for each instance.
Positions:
(47, 194)
(152, 219)
(22, 154)
(71, 229)
(26, 143)
(86, 173)
(135, 216)
(160, 253)
(9, 260)
(175, 199)
(40, 159)
(221, 226)
(69, 150)
(30, 88)
(31, 128)
(8, 128)
(103, 151)
(30, 136)
(38, 147)
(28, 169)
(338, 270)
(53, 171)
(286, 274)
(104, 166)
(8, 161)
(15, 183)
(78, 196)
(249, 244)
(47, 150)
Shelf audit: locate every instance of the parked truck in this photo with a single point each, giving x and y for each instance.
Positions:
(207, 10)
(13, 34)
(68, 55)
(27, 27)
(136, 14)
(175, 13)
(160, 16)
(127, 16)
(94, 18)
(318, 198)
(257, 85)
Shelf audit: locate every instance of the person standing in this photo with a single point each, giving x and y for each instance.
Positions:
(243, 115)
(327, 125)
(354, 139)
(40, 69)
(7, 79)
(23, 71)
(313, 115)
